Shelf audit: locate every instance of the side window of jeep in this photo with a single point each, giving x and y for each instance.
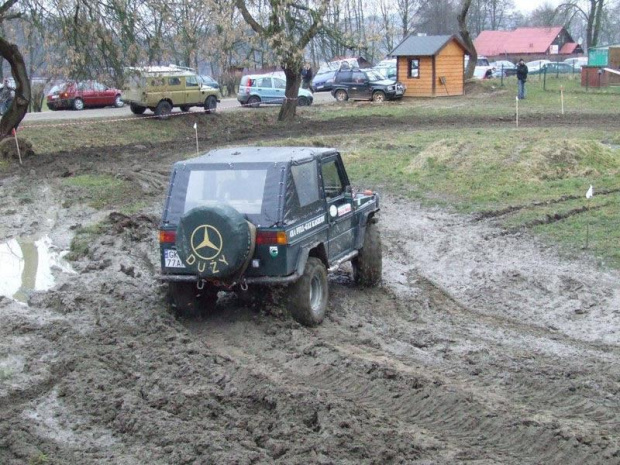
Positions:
(332, 183)
(191, 81)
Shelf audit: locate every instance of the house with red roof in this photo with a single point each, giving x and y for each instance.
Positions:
(529, 43)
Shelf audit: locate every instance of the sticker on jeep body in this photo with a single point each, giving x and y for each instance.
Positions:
(307, 226)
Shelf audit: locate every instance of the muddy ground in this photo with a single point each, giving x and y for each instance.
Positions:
(481, 346)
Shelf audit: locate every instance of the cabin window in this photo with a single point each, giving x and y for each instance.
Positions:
(414, 68)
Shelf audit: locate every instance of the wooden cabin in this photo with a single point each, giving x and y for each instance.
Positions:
(431, 66)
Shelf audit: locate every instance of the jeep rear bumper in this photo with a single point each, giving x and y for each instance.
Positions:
(227, 284)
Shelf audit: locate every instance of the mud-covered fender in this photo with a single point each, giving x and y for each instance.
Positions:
(365, 217)
(304, 253)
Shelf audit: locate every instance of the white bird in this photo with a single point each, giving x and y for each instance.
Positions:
(590, 192)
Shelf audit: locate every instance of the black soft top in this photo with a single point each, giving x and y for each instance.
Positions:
(293, 155)
(281, 204)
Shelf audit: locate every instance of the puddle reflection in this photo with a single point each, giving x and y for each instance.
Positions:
(27, 265)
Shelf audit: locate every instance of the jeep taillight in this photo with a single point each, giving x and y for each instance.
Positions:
(167, 237)
(271, 237)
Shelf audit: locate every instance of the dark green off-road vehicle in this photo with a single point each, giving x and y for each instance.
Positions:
(258, 216)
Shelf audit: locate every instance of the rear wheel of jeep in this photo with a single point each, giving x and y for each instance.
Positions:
(185, 299)
(341, 95)
(163, 110)
(307, 297)
(368, 265)
(210, 104)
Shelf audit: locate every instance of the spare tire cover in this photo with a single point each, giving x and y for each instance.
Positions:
(213, 241)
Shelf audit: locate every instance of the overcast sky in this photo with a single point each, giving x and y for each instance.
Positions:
(527, 6)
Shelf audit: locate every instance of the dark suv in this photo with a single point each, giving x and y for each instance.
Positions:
(368, 84)
(242, 217)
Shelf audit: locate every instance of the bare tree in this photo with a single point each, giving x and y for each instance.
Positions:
(288, 29)
(10, 52)
(469, 43)
(592, 13)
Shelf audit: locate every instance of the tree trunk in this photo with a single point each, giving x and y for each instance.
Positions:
(288, 110)
(473, 54)
(19, 106)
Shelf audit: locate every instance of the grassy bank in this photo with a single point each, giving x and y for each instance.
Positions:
(528, 178)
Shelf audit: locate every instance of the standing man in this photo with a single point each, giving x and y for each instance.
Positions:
(306, 77)
(521, 78)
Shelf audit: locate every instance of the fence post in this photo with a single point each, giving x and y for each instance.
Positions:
(587, 79)
(545, 78)
(502, 76)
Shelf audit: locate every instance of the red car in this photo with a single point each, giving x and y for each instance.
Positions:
(79, 95)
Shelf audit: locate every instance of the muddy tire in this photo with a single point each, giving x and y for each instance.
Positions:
(303, 102)
(210, 104)
(368, 265)
(253, 101)
(378, 97)
(78, 104)
(184, 108)
(307, 297)
(185, 299)
(341, 95)
(163, 110)
(214, 242)
(136, 109)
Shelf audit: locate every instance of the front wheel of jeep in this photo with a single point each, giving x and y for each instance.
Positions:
(210, 104)
(307, 297)
(368, 265)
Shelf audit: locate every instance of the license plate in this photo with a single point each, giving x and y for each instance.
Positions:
(172, 260)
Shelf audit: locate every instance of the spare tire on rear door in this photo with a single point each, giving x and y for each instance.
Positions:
(215, 241)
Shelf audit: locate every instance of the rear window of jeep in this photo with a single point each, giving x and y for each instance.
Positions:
(241, 189)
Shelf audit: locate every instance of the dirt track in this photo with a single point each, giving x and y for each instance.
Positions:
(481, 347)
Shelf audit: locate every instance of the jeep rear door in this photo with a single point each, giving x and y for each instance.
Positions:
(341, 234)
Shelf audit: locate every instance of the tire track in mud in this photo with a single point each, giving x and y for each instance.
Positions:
(488, 214)
(466, 413)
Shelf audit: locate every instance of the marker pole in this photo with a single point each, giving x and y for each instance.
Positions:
(19, 154)
(196, 131)
(517, 100)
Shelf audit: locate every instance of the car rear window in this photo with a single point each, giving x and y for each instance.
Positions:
(242, 189)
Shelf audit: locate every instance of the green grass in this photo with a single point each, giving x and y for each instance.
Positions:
(470, 168)
(99, 191)
(540, 173)
(84, 236)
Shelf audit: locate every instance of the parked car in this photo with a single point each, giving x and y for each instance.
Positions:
(505, 67)
(323, 81)
(161, 88)
(577, 62)
(72, 95)
(209, 81)
(534, 67)
(554, 68)
(248, 218)
(258, 89)
(387, 68)
(483, 69)
(365, 84)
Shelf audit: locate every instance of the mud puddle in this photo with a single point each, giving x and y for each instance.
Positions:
(29, 265)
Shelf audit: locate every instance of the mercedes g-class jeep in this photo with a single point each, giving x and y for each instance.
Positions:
(160, 88)
(259, 216)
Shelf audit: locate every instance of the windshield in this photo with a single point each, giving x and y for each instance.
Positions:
(374, 75)
(241, 189)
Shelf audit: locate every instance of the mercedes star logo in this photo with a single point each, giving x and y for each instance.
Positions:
(206, 242)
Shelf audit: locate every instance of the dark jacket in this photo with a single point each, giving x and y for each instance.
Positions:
(522, 72)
